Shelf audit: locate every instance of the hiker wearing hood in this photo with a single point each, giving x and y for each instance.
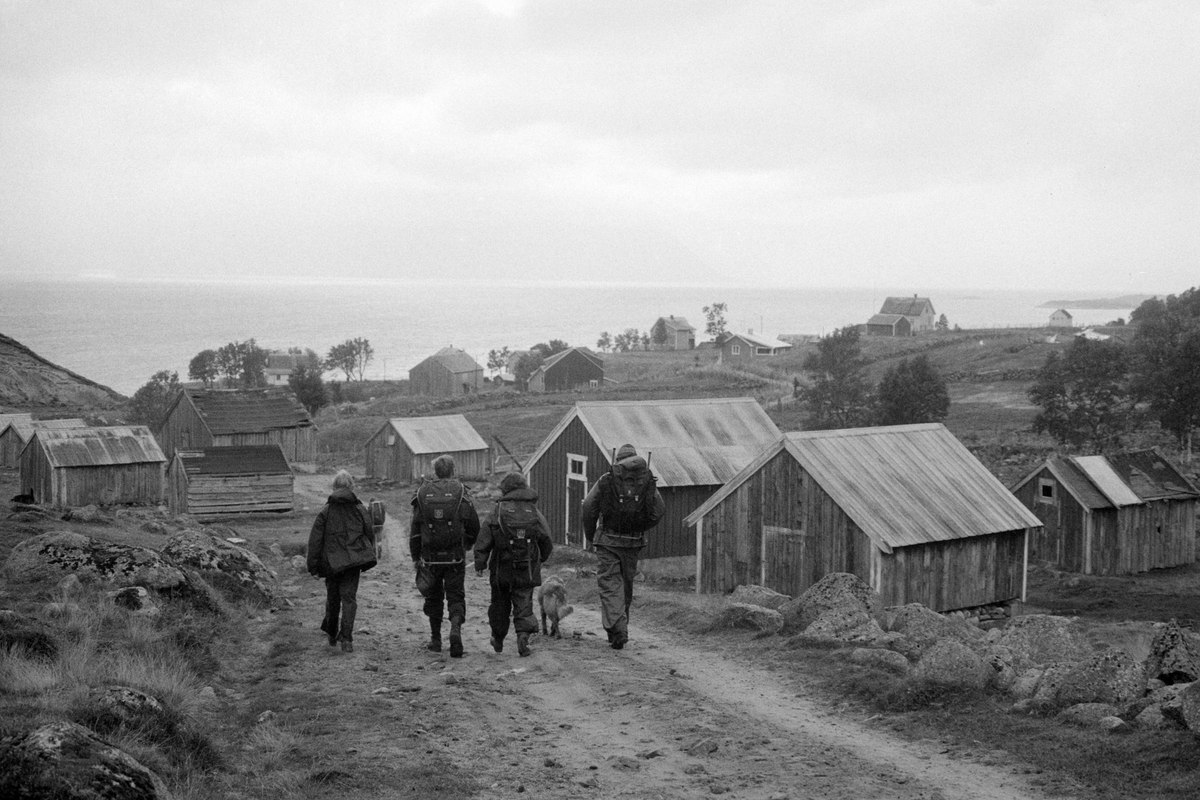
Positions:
(341, 546)
(617, 512)
(513, 543)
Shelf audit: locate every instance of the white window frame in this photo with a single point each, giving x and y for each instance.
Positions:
(735, 349)
(581, 476)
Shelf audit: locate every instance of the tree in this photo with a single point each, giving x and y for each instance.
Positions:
(1084, 396)
(203, 367)
(351, 357)
(1165, 361)
(645, 341)
(627, 340)
(242, 362)
(658, 334)
(605, 342)
(715, 314)
(912, 392)
(526, 365)
(548, 349)
(150, 403)
(306, 382)
(943, 324)
(229, 362)
(839, 396)
(498, 359)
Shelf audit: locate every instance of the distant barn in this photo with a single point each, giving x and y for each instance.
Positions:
(17, 432)
(680, 335)
(71, 467)
(405, 447)
(1112, 515)
(1062, 319)
(889, 325)
(203, 418)
(694, 446)
(918, 310)
(907, 508)
(574, 369)
(449, 372)
(229, 480)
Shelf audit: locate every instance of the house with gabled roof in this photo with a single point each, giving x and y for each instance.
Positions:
(449, 372)
(918, 310)
(1111, 515)
(680, 333)
(202, 418)
(693, 446)
(573, 369)
(280, 366)
(404, 449)
(907, 508)
(17, 432)
(736, 347)
(1062, 319)
(72, 467)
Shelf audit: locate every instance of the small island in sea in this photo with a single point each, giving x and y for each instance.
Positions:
(1124, 301)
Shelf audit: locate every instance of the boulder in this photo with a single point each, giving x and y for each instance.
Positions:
(1001, 674)
(1111, 676)
(755, 595)
(1114, 724)
(1184, 708)
(234, 570)
(67, 761)
(844, 624)
(1052, 680)
(1152, 718)
(1037, 640)
(922, 628)
(949, 662)
(52, 556)
(135, 599)
(91, 514)
(125, 707)
(1026, 684)
(1174, 655)
(1087, 715)
(751, 617)
(888, 660)
(836, 590)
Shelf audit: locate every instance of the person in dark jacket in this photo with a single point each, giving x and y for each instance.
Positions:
(513, 544)
(341, 546)
(618, 539)
(444, 526)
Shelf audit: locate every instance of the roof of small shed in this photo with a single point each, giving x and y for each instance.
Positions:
(449, 433)
(25, 428)
(95, 447)
(1121, 479)
(265, 459)
(455, 360)
(249, 410)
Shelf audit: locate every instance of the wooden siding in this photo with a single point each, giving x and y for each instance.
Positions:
(434, 379)
(298, 444)
(962, 573)
(209, 496)
(11, 445)
(397, 462)
(573, 371)
(71, 487)
(183, 429)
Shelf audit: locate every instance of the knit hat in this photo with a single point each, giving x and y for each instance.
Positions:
(625, 451)
(512, 481)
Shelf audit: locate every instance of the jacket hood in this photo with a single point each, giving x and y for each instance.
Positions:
(343, 496)
(625, 451)
(524, 493)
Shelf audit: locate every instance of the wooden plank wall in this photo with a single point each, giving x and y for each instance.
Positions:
(549, 475)
(11, 445)
(176, 487)
(1132, 539)
(108, 485)
(37, 475)
(183, 430)
(1061, 539)
(469, 465)
(215, 495)
(962, 573)
(298, 444)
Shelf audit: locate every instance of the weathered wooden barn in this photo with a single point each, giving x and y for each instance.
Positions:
(404, 449)
(680, 333)
(918, 310)
(694, 446)
(1111, 515)
(906, 508)
(889, 325)
(449, 372)
(17, 433)
(747, 346)
(571, 370)
(71, 467)
(216, 481)
(1061, 318)
(203, 418)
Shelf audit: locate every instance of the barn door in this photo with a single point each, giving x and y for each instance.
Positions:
(577, 488)
(783, 559)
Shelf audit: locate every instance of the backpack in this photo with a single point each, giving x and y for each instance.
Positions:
(441, 527)
(629, 505)
(520, 526)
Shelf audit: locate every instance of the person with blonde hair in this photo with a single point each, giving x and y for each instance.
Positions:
(341, 546)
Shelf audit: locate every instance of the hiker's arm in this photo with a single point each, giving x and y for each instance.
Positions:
(545, 543)
(658, 509)
(470, 521)
(591, 511)
(316, 544)
(414, 533)
(483, 546)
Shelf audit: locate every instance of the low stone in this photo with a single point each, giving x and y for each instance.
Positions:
(1087, 715)
(124, 706)
(1111, 676)
(837, 590)
(888, 660)
(1152, 718)
(1001, 674)
(135, 599)
(90, 514)
(751, 617)
(845, 624)
(752, 594)
(1115, 724)
(1038, 640)
(1025, 685)
(1052, 680)
(949, 662)
(153, 526)
(922, 627)
(1174, 655)
(231, 569)
(49, 557)
(1023, 706)
(626, 763)
(29, 634)
(1185, 707)
(702, 747)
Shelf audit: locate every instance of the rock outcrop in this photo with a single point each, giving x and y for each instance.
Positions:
(837, 590)
(234, 570)
(756, 595)
(751, 617)
(1174, 655)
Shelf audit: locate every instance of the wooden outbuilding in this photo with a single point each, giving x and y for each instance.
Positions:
(907, 508)
(1062, 319)
(889, 325)
(17, 432)
(1112, 515)
(405, 448)
(217, 481)
(918, 310)
(203, 418)
(694, 446)
(574, 369)
(747, 346)
(71, 467)
(680, 333)
(449, 372)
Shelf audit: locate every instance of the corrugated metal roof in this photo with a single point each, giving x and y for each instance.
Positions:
(1077, 483)
(1106, 480)
(25, 429)
(249, 410)
(5, 419)
(242, 460)
(95, 447)
(1151, 476)
(449, 433)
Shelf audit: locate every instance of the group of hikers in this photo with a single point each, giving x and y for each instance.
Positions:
(512, 543)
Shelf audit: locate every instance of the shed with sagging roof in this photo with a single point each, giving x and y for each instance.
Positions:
(449, 372)
(217, 481)
(71, 467)
(203, 418)
(694, 446)
(907, 508)
(17, 432)
(1112, 515)
(404, 449)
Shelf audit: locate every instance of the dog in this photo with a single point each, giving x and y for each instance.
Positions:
(552, 599)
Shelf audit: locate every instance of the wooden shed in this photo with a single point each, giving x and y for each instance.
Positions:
(71, 467)
(907, 508)
(694, 446)
(571, 370)
(229, 480)
(1111, 515)
(17, 432)
(889, 325)
(449, 372)
(404, 449)
(680, 333)
(918, 310)
(747, 347)
(203, 418)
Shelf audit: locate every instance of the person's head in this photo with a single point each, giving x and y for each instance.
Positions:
(343, 480)
(512, 481)
(625, 451)
(443, 466)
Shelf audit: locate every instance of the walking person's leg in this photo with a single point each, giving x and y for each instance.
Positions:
(456, 605)
(333, 605)
(612, 592)
(348, 592)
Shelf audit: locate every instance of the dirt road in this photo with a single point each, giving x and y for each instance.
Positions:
(664, 718)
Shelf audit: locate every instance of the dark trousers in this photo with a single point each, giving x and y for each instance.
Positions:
(341, 601)
(614, 576)
(447, 583)
(516, 604)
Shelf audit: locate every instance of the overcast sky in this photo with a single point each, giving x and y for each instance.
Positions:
(934, 144)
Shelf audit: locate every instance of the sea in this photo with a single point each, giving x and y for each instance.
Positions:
(119, 332)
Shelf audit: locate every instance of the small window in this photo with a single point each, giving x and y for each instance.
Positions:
(391, 440)
(576, 465)
(1047, 491)
(736, 350)
(594, 383)
(763, 351)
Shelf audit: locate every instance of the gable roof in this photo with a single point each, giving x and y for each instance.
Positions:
(688, 442)
(1122, 479)
(886, 319)
(240, 460)
(908, 306)
(95, 447)
(901, 484)
(227, 411)
(758, 341)
(24, 429)
(449, 433)
(455, 360)
(676, 324)
(583, 351)
(1062, 311)
(7, 419)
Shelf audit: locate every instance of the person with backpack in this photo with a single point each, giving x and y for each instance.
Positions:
(444, 526)
(341, 546)
(617, 512)
(513, 544)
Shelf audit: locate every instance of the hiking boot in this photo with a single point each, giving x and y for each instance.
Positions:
(523, 644)
(435, 644)
(619, 641)
(456, 645)
(497, 644)
(347, 647)
(332, 639)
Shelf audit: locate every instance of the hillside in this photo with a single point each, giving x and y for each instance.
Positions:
(28, 381)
